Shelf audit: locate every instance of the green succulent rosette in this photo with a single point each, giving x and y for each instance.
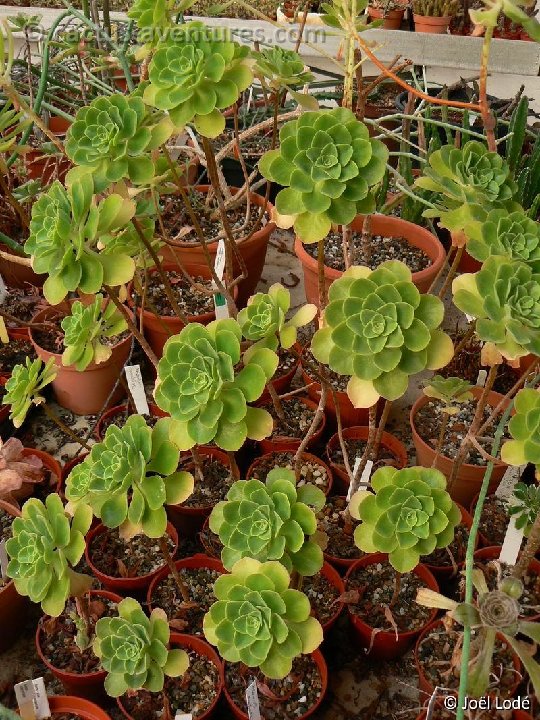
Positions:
(259, 621)
(197, 71)
(327, 163)
(380, 330)
(22, 390)
(199, 387)
(524, 427)
(45, 544)
(409, 514)
(270, 521)
(513, 235)
(134, 650)
(504, 298)
(279, 68)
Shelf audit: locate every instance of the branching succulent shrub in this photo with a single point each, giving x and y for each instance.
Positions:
(504, 297)
(24, 386)
(259, 621)
(207, 399)
(133, 649)
(410, 514)
(45, 544)
(451, 391)
(129, 477)
(17, 468)
(86, 329)
(524, 427)
(524, 506)
(379, 329)
(270, 521)
(513, 235)
(327, 164)
(195, 72)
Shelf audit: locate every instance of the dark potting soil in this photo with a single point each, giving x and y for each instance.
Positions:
(126, 558)
(212, 487)
(252, 147)
(378, 251)
(331, 521)
(338, 382)
(23, 303)
(121, 417)
(210, 541)
(375, 585)
(15, 353)
(436, 656)
(322, 596)
(452, 555)
(310, 472)
(530, 600)
(286, 362)
(53, 340)
(191, 301)
(298, 418)
(494, 520)
(6, 521)
(58, 636)
(355, 448)
(186, 617)
(428, 422)
(300, 690)
(193, 693)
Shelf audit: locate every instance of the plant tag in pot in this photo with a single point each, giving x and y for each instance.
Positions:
(219, 262)
(3, 560)
(183, 716)
(32, 699)
(366, 475)
(509, 481)
(481, 379)
(512, 543)
(136, 388)
(252, 701)
(220, 305)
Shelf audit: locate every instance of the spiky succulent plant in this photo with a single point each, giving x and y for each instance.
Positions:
(524, 427)
(204, 394)
(134, 650)
(270, 521)
(504, 298)
(195, 72)
(24, 386)
(46, 544)
(86, 331)
(259, 621)
(410, 514)
(379, 330)
(513, 235)
(451, 391)
(327, 164)
(130, 476)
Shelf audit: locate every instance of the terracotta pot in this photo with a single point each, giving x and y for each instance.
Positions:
(391, 21)
(119, 78)
(335, 579)
(388, 441)
(120, 584)
(49, 463)
(469, 480)
(282, 383)
(84, 393)
(101, 427)
(84, 709)
(87, 685)
(13, 607)
(59, 125)
(188, 521)
(16, 275)
(443, 573)
(201, 647)
(384, 645)
(279, 443)
(321, 664)
(434, 25)
(341, 564)
(468, 264)
(253, 251)
(46, 167)
(306, 456)
(380, 225)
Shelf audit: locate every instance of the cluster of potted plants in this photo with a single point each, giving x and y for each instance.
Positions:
(267, 437)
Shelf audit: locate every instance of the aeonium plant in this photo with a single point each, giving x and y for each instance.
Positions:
(23, 389)
(524, 428)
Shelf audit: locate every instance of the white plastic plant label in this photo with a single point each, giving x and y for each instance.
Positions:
(481, 379)
(512, 543)
(183, 716)
(219, 263)
(221, 308)
(3, 559)
(252, 701)
(136, 388)
(32, 699)
(364, 479)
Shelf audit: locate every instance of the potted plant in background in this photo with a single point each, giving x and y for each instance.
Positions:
(434, 16)
(389, 11)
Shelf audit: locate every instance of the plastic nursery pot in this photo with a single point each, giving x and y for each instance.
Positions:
(16, 275)
(434, 25)
(384, 644)
(388, 442)
(187, 520)
(49, 463)
(469, 479)
(46, 167)
(281, 383)
(86, 685)
(386, 226)
(84, 393)
(79, 707)
(391, 20)
(103, 424)
(307, 457)
(120, 584)
(443, 573)
(201, 647)
(468, 264)
(253, 251)
(335, 579)
(278, 443)
(318, 658)
(13, 607)
(59, 125)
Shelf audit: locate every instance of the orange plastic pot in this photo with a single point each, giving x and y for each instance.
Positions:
(281, 383)
(280, 443)
(87, 685)
(46, 167)
(434, 25)
(201, 647)
(468, 264)
(391, 20)
(13, 607)
(380, 225)
(335, 579)
(83, 709)
(16, 275)
(323, 670)
(469, 479)
(384, 645)
(84, 393)
(49, 463)
(101, 428)
(252, 250)
(443, 573)
(59, 125)
(388, 442)
(120, 584)
(308, 457)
